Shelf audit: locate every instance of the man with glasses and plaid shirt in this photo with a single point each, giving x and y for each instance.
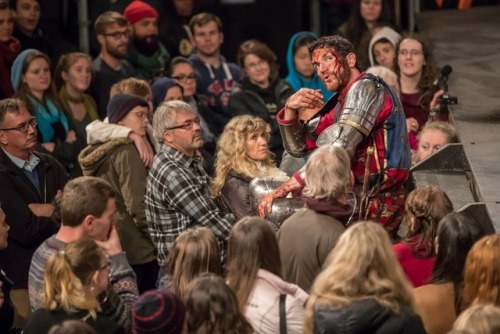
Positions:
(29, 182)
(112, 32)
(177, 188)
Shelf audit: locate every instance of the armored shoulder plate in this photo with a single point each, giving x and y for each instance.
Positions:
(363, 103)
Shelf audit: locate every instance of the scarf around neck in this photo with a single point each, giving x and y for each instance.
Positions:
(332, 208)
(88, 103)
(46, 116)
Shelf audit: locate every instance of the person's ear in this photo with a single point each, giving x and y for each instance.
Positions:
(88, 223)
(3, 138)
(64, 76)
(168, 137)
(101, 39)
(351, 60)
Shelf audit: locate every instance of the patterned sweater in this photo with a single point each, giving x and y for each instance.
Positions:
(122, 292)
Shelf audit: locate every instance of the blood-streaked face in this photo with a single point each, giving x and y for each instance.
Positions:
(411, 58)
(331, 68)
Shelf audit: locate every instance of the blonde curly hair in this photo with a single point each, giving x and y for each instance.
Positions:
(232, 155)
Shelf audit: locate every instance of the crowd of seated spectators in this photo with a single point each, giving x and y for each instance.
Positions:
(98, 156)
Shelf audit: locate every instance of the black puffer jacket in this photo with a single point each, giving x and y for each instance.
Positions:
(366, 316)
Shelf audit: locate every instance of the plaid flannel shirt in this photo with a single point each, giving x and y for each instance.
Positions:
(177, 198)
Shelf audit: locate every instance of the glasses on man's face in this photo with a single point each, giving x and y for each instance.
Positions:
(24, 127)
(188, 125)
(184, 77)
(118, 34)
(412, 53)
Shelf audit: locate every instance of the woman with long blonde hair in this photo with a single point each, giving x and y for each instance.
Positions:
(362, 289)
(75, 283)
(195, 251)
(243, 154)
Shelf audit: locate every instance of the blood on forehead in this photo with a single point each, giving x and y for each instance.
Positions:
(319, 55)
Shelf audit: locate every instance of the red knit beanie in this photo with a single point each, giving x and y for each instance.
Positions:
(138, 10)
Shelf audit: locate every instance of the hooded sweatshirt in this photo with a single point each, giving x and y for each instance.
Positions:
(384, 33)
(216, 84)
(297, 80)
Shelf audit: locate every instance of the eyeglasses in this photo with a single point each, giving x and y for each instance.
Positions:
(253, 66)
(413, 53)
(184, 77)
(24, 127)
(118, 34)
(142, 115)
(186, 126)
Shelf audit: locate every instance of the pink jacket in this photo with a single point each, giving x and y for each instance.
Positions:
(263, 305)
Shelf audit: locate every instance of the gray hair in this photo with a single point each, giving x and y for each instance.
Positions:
(10, 106)
(327, 173)
(165, 117)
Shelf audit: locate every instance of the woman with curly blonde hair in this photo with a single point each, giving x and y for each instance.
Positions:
(362, 289)
(243, 154)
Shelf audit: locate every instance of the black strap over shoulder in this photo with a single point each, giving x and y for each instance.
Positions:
(283, 314)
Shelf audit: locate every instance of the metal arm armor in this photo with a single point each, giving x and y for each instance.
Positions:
(294, 138)
(362, 105)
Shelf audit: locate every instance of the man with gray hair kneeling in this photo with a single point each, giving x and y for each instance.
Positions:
(307, 237)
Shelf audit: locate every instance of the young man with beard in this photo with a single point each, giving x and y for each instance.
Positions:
(216, 78)
(365, 118)
(29, 182)
(146, 54)
(110, 67)
(9, 49)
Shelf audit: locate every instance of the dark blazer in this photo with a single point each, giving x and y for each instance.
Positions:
(27, 231)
